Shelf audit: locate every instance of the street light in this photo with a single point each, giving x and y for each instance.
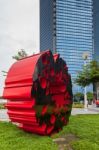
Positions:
(85, 57)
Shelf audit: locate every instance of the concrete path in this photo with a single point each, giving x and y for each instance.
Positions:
(2, 101)
(3, 115)
(93, 108)
(76, 111)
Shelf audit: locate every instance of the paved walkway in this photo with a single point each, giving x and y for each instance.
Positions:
(93, 108)
(75, 111)
(3, 115)
(2, 101)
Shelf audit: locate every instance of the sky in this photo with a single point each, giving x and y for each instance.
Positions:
(19, 29)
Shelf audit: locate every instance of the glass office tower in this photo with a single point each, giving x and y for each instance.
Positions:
(69, 24)
(96, 28)
(96, 37)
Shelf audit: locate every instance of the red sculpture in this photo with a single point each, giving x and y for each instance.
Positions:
(39, 93)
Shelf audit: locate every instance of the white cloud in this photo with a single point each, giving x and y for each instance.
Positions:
(19, 28)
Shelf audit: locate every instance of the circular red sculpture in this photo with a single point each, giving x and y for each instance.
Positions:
(39, 93)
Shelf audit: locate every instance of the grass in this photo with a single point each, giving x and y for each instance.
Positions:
(13, 138)
(84, 127)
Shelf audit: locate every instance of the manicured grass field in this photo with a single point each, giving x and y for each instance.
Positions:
(12, 138)
(84, 127)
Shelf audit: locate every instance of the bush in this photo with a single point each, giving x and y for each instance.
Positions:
(78, 105)
(78, 97)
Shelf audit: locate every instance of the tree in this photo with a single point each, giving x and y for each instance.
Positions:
(21, 54)
(89, 74)
(90, 97)
(94, 71)
(78, 97)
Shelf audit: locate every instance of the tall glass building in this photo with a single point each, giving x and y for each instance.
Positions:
(96, 28)
(66, 27)
(96, 38)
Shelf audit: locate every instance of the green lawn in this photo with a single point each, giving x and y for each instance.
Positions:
(84, 127)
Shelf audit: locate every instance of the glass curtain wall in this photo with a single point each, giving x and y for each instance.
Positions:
(74, 34)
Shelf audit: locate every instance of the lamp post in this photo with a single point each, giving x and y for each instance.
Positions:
(85, 57)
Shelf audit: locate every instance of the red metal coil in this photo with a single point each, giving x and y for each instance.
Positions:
(37, 93)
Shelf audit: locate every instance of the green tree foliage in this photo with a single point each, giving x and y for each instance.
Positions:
(89, 96)
(89, 74)
(78, 97)
(94, 71)
(21, 54)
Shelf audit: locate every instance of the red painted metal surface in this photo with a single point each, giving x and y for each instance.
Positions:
(38, 89)
(20, 78)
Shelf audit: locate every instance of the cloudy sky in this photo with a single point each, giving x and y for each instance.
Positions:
(19, 29)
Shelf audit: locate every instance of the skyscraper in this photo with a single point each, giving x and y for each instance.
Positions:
(96, 38)
(66, 27)
(96, 29)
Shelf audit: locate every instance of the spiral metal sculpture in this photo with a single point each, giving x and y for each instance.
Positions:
(39, 93)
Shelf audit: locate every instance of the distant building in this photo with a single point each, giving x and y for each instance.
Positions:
(66, 27)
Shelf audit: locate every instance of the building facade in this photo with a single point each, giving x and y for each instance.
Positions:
(66, 27)
(96, 38)
(96, 29)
